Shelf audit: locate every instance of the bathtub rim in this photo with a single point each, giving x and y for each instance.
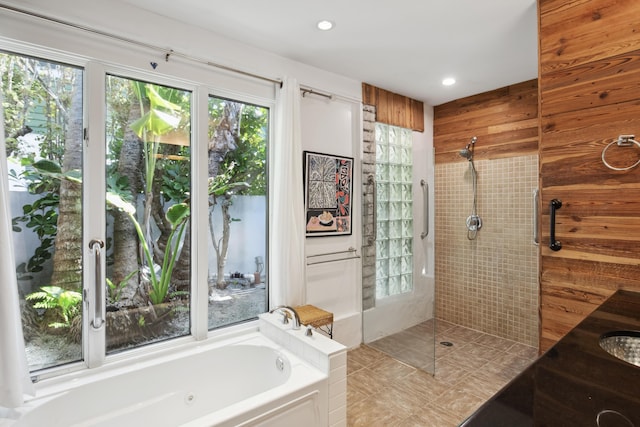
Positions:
(156, 353)
(45, 377)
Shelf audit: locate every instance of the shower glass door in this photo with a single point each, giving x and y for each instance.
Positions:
(399, 320)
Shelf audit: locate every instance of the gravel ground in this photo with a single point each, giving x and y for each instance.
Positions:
(234, 304)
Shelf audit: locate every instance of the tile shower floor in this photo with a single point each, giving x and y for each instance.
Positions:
(383, 391)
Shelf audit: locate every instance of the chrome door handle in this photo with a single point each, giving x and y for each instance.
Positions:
(97, 322)
(536, 236)
(425, 189)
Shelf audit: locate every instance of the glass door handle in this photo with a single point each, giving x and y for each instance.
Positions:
(425, 189)
(536, 237)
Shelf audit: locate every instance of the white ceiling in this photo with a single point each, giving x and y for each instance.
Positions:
(403, 46)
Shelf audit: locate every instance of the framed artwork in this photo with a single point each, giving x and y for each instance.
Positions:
(328, 184)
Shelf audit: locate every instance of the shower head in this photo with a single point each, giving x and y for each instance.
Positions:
(467, 152)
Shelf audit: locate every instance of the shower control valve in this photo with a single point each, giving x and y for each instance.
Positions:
(474, 223)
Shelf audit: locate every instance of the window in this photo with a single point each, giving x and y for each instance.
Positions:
(145, 162)
(148, 187)
(394, 211)
(43, 108)
(237, 210)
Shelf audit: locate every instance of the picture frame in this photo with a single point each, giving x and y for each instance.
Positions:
(328, 189)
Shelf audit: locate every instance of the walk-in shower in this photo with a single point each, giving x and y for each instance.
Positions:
(474, 222)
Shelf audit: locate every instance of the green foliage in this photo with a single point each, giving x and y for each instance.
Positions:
(248, 162)
(42, 215)
(114, 290)
(65, 304)
(43, 178)
(163, 115)
(178, 216)
(176, 180)
(36, 93)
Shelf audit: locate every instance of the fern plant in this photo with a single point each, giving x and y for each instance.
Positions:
(64, 303)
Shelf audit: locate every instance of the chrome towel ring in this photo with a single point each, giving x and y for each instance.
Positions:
(622, 141)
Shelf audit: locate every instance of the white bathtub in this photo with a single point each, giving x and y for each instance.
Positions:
(247, 380)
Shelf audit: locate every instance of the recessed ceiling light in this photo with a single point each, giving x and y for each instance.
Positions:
(449, 81)
(325, 25)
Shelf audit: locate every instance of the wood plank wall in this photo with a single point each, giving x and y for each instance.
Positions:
(504, 120)
(589, 79)
(394, 109)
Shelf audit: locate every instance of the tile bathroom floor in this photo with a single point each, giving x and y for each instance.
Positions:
(383, 391)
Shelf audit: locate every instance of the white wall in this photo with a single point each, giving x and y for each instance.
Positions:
(334, 127)
(328, 126)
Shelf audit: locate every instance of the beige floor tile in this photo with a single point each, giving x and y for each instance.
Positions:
(387, 388)
(372, 412)
(450, 373)
(380, 409)
(479, 386)
(524, 351)
(464, 358)
(458, 401)
(390, 369)
(354, 395)
(432, 416)
(464, 334)
(425, 385)
(495, 342)
(365, 382)
(443, 325)
(364, 355)
(483, 351)
(390, 344)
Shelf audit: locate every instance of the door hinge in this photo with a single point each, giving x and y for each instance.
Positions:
(85, 134)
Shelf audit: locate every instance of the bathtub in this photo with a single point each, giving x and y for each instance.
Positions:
(247, 380)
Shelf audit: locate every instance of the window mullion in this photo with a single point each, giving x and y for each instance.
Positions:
(94, 341)
(199, 214)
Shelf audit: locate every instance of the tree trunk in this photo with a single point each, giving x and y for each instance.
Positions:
(224, 140)
(224, 137)
(182, 269)
(125, 239)
(223, 247)
(67, 257)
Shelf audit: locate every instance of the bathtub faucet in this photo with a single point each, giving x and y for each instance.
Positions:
(284, 309)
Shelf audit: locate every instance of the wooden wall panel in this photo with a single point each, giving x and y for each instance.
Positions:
(394, 109)
(589, 94)
(505, 121)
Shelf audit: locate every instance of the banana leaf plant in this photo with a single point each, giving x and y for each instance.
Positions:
(160, 116)
(178, 216)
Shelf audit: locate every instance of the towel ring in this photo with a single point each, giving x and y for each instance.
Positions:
(622, 141)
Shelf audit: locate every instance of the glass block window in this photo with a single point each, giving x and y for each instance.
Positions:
(394, 211)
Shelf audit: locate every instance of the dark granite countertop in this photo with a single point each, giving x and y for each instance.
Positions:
(576, 382)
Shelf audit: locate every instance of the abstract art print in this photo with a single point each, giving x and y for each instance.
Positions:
(328, 183)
